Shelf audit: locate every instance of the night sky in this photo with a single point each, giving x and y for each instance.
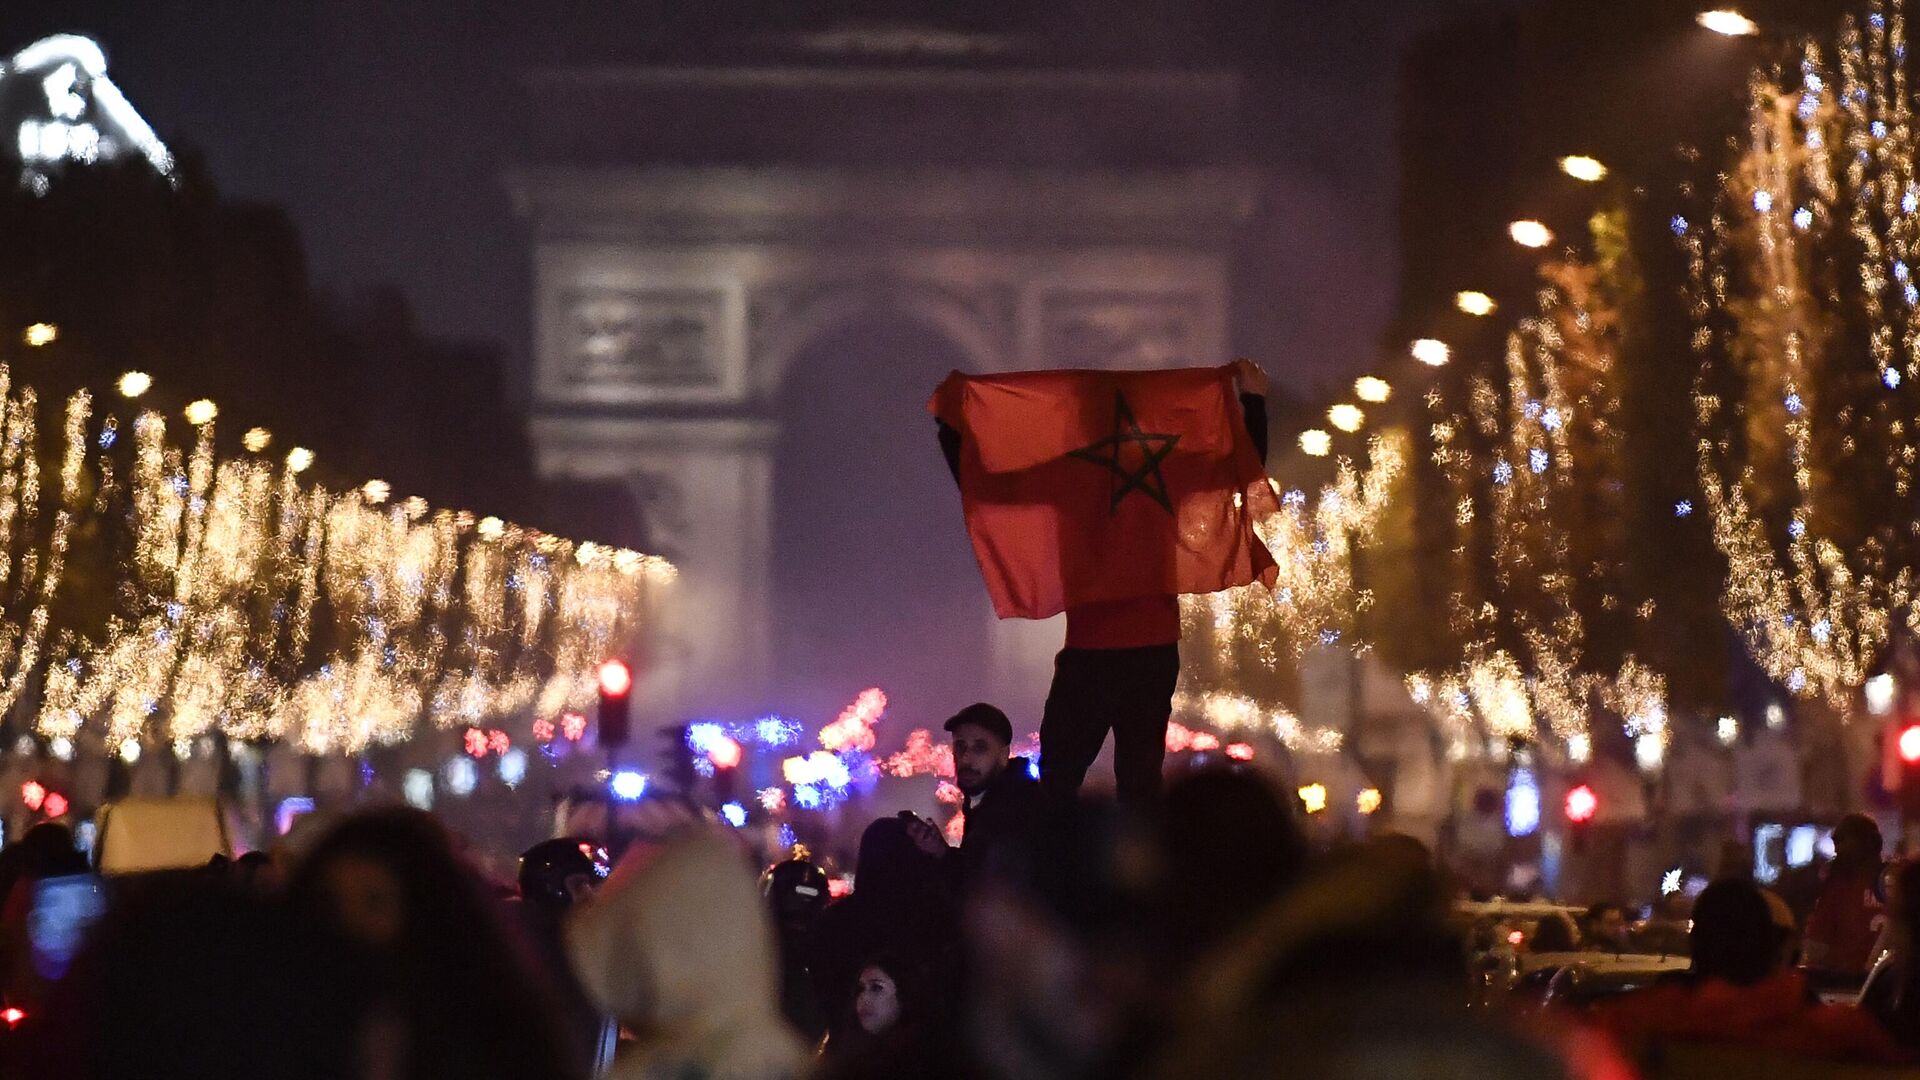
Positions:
(383, 127)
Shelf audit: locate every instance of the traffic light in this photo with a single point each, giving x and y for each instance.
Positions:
(1582, 804)
(1906, 768)
(616, 684)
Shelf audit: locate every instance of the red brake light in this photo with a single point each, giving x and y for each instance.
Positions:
(13, 1014)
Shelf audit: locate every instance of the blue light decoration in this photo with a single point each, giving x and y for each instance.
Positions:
(1891, 377)
(734, 814)
(1803, 219)
(1033, 767)
(776, 731)
(1765, 870)
(1329, 636)
(1678, 224)
(628, 785)
(1822, 631)
(1794, 404)
(290, 809)
(704, 735)
(417, 789)
(1800, 845)
(788, 837)
(1683, 508)
(513, 767)
(1550, 419)
(1523, 803)
(462, 775)
(1537, 460)
(1796, 528)
(1502, 473)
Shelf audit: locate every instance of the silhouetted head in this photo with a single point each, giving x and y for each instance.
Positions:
(1856, 842)
(891, 864)
(1733, 933)
(1607, 925)
(1230, 846)
(556, 874)
(796, 892)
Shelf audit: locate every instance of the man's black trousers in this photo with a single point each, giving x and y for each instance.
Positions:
(1126, 691)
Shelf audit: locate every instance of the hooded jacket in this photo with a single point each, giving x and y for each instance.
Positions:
(677, 946)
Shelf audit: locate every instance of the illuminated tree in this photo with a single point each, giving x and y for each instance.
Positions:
(1807, 324)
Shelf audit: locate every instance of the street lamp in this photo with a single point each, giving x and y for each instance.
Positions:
(1727, 21)
(202, 412)
(1583, 168)
(1346, 417)
(1474, 302)
(299, 459)
(134, 383)
(1316, 443)
(1529, 233)
(1372, 389)
(41, 333)
(256, 439)
(1432, 352)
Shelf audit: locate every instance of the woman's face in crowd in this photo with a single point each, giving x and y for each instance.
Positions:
(877, 1005)
(367, 900)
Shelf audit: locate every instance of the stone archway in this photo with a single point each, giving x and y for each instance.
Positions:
(873, 582)
(673, 304)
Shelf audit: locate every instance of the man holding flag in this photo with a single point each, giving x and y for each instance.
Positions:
(1106, 495)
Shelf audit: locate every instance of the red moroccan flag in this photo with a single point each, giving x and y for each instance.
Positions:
(1089, 486)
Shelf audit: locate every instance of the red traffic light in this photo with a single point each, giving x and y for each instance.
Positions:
(616, 678)
(1582, 803)
(1909, 744)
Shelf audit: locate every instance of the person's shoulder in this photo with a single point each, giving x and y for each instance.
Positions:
(1019, 780)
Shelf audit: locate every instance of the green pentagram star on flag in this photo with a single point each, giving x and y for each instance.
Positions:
(1145, 477)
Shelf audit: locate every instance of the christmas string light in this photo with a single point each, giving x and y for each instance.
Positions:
(1807, 440)
(228, 595)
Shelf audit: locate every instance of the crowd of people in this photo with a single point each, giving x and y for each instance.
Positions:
(1194, 934)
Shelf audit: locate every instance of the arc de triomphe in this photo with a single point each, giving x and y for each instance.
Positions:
(694, 228)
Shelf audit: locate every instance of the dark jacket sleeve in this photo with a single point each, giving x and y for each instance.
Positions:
(1254, 407)
(950, 447)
